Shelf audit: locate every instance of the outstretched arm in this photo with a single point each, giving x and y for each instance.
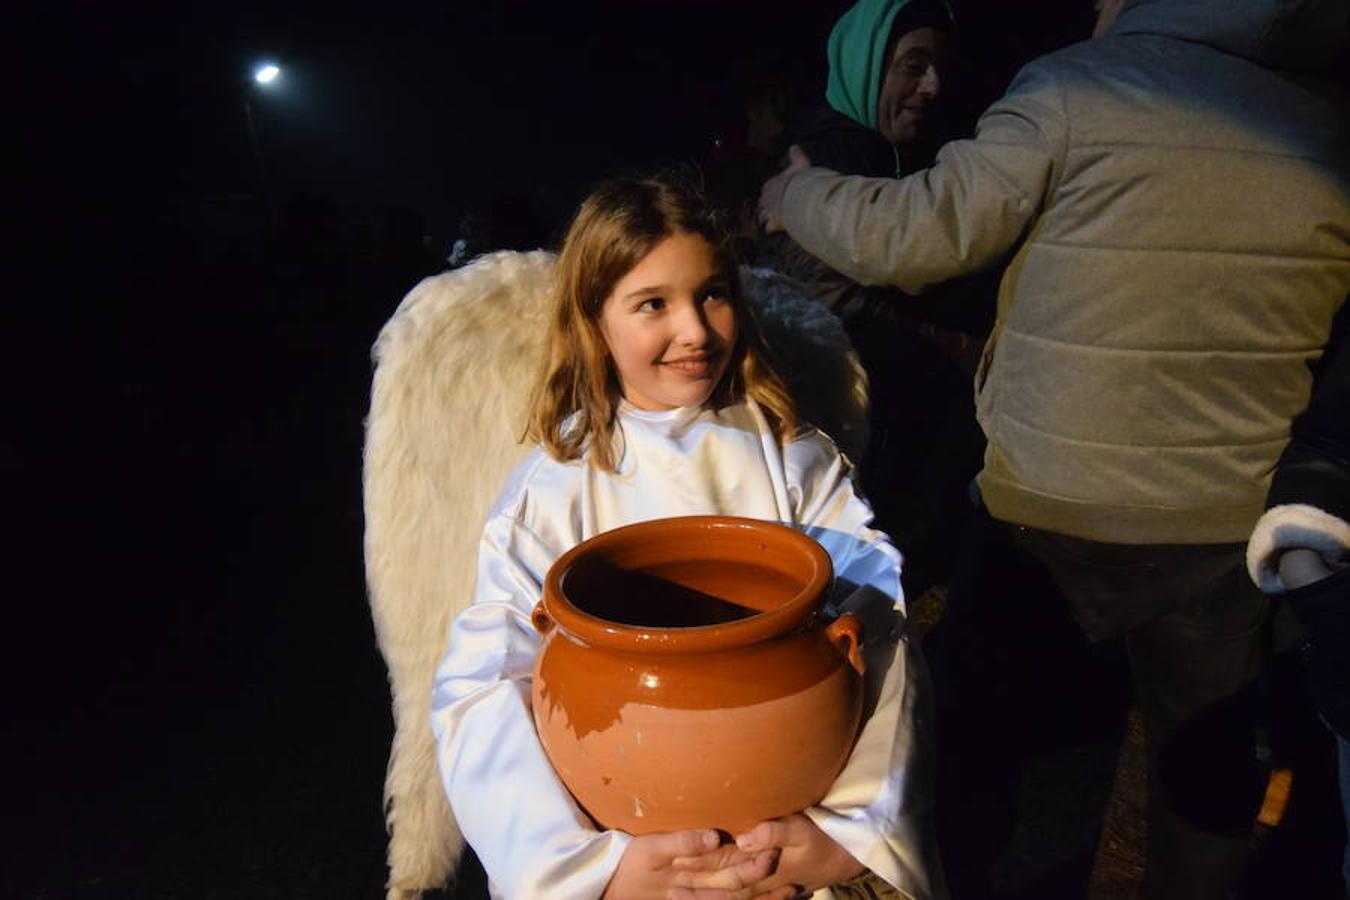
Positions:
(958, 217)
(771, 194)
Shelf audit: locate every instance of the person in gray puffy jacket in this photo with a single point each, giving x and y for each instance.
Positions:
(1176, 198)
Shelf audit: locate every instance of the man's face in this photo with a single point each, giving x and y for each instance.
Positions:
(913, 80)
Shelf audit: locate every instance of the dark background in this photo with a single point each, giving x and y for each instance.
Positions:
(196, 706)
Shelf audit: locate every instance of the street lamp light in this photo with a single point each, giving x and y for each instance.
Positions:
(263, 77)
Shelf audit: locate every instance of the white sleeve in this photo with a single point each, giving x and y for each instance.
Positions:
(879, 809)
(828, 508)
(1293, 526)
(530, 835)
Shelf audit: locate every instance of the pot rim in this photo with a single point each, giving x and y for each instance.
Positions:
(596, 631)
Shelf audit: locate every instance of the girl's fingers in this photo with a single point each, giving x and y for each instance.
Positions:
(774, 833)
(743, 875)
(667, 847)
(724, 856)
(759, 867)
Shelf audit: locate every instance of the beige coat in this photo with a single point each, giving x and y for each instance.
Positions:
(1179, 217)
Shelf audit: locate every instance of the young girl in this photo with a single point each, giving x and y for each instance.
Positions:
(657, 402)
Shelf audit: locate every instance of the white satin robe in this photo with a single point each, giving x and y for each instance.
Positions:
(532, 838)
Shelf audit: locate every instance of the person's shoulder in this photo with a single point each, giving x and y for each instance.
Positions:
(1072, 55)
(834, 141)
(1037, 92)
(1075, 62)
(812, 451)
(535, 479)
(817, 118)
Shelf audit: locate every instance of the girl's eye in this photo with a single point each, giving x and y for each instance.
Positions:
(651, 304)
(716, 294)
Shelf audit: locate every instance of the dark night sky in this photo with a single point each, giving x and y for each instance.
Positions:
(433, 106)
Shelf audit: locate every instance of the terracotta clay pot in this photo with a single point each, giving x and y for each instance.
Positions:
(686, 678)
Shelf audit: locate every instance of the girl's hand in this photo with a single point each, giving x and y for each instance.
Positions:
(687, 865)
(808, 859)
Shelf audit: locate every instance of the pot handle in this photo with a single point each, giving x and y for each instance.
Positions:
(541, 620)
(845, 633)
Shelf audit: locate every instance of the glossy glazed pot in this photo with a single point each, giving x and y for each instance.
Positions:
(687, 679)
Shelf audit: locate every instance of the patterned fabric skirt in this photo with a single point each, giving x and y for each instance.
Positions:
(865, 886)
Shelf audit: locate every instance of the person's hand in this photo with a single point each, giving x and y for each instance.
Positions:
(1300, 567)
(730, 857)
(688, 865)
(808, 858)
(771, 195)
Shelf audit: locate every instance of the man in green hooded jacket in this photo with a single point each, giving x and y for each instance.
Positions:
(882, 114)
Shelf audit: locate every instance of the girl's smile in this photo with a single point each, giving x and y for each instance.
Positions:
(670, 325)
(695, 366)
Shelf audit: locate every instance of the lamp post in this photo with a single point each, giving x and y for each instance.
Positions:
(264, 76)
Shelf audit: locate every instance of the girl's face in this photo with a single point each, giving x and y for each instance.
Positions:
(670, 325)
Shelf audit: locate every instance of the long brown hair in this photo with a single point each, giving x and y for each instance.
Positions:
(576, 402)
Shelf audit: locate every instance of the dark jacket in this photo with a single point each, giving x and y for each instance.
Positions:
(1309, 507)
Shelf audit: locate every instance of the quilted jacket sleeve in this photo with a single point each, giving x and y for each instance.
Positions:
(958, 217)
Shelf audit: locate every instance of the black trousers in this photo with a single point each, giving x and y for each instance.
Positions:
(1191, 622)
